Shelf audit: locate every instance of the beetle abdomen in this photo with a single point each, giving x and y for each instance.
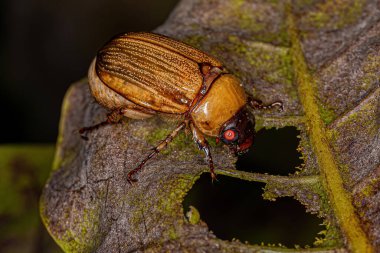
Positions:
(112, 100)
(153, 71)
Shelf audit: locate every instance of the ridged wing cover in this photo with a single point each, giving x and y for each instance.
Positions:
(152, 70)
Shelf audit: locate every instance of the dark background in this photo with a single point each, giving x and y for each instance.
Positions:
(46, 45)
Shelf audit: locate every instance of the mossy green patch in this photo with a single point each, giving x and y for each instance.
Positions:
(327, 114)
(86, 235)
(172, 233)
(371, 71)
(367, 191)
(273, 64)
(253, 19)
(329, 237)
(246, 19)
(335, 14)
(304, 3)
(259, 123)
(180, 142)
(357, 119)
(180, 187)
(170, 203)
(371, 188)
(69, 244)
(194, 40)
(193, 215)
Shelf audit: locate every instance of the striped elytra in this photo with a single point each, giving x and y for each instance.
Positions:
(138, 75)
(152, 70)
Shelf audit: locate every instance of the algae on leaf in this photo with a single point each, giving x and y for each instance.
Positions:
(320, 59)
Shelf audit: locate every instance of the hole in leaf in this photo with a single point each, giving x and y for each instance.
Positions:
(233, 208)
(274, 151)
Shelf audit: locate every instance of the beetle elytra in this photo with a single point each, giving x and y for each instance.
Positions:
(139, 75)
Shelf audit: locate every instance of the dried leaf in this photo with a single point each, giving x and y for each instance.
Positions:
(321, 58)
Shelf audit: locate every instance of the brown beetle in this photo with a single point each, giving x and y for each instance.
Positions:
(138, 75)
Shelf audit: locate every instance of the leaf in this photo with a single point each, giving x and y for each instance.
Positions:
(320, 58)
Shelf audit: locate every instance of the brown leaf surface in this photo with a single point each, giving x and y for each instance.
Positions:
(322, 59)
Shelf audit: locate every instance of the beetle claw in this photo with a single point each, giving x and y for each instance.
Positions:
(213, 177)
(279, 104)
(130, 178)
(84, 137)
(82, 133)
(131, 181)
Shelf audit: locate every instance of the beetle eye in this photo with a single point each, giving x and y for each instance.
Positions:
(230, 135)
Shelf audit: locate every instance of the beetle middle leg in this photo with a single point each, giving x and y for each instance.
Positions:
(163, 144)
(202, 143)
(258, 104)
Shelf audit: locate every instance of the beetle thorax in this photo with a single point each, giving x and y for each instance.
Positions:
(222, 101)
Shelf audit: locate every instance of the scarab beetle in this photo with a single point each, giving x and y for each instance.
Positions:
(139, 75)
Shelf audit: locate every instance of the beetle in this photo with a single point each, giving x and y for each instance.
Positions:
(141, 74)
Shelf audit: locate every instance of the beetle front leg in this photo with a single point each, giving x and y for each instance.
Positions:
(202, 144)
(163, 144)
(258, 104)
(112, 118)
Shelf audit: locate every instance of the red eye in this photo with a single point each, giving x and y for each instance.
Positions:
(229, 135)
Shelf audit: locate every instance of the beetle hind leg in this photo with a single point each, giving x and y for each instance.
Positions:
(163, 144)
(115, 116)
(112, 118)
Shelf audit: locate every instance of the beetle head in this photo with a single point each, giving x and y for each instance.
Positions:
(238, 132)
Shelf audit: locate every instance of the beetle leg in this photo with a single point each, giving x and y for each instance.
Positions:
(202, 144)
(112, 118)
(156, 150)
(209, 73)
(258, 104)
